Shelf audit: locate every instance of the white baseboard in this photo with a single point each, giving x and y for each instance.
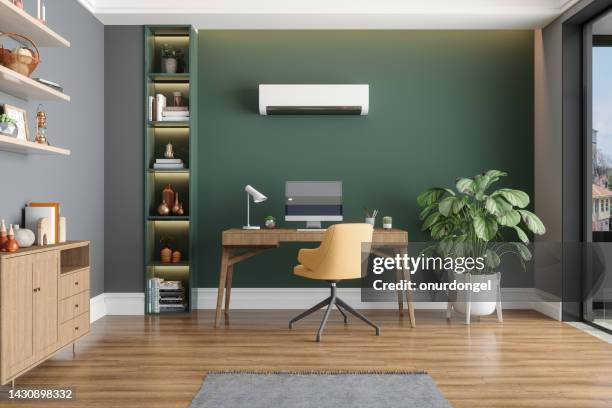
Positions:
(548, 304)
(303, 298)
(97, 307)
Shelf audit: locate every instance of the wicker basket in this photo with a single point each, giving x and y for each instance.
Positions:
(23, 64)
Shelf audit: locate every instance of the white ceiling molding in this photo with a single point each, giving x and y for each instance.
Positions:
(332, 14)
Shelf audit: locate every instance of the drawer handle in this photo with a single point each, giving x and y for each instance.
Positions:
(76, 305)
(36, 289)
(76, 328)
(76, 283)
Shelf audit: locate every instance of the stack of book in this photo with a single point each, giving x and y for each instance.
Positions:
(159, 111)
(165, 296)
(172, 297)
(175, 113)
(168, 164)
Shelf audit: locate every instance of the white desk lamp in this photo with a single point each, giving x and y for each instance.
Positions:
(257, 198)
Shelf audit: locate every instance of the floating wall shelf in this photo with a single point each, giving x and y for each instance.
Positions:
(21, 86)
(13, 145)
(13, 19)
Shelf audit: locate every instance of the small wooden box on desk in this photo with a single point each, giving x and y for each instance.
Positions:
(44, 304)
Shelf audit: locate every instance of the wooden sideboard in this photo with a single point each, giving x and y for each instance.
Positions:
(44, 304)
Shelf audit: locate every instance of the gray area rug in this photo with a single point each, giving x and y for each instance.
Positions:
(318, 390)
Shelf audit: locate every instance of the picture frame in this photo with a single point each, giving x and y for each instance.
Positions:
(21, 118)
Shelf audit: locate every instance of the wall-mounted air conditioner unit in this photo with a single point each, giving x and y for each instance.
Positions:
(314, 99)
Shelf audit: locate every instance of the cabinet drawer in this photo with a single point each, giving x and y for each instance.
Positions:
(73, 283)
(74, 328)
(73, 306)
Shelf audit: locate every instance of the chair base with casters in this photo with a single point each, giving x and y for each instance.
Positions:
(330, 302)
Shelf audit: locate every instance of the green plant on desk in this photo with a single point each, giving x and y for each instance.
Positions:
(270, 222)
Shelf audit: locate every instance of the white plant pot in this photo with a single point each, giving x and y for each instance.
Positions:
(387, 226)
(481, 303)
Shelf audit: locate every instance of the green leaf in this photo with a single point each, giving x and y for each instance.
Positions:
(510, 219)
(482, 183)
(430, 196)
(440, 230)
(430, 220)
(425, 211)
(459, 204)
(497, 205)
(466, 186)
(495, 174)
(492, 260)
(446, 205)
(521, 234)
(517, 198)
(523, 251)
(533, 223)
(485, 228)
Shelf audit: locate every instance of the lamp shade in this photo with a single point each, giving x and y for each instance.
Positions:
(257, 196)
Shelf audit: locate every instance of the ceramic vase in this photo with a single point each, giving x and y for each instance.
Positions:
(163, 208)
(3, 237)
(165, 255)
(176, 257)
(180, 210)
(177, 206)
(270, 224)
(24, 237)
(168, 195)
(11, 245)
(169, 65)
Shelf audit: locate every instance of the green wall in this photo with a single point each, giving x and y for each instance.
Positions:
(442, 104)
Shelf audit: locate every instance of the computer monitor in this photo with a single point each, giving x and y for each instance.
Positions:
(313, 202)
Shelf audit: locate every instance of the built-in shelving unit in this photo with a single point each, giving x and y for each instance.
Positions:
(183, 136)
(15, 20)
(14, 145)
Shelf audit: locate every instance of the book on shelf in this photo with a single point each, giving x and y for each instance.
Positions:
(176, 108)
(168, 160)
(175, 114)
(168, 165)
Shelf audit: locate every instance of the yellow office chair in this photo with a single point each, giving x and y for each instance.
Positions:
(338, 257)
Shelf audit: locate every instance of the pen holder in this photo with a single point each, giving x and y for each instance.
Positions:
(370, 220)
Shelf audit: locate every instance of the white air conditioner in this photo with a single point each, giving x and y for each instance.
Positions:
(314, 99)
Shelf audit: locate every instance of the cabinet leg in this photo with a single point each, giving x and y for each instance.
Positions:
(73, 350)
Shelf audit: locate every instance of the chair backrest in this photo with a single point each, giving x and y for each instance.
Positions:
(344, 248)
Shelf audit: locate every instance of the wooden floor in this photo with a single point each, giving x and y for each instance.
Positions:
(528, 361)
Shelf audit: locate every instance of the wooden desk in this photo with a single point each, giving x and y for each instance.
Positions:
(239, 245)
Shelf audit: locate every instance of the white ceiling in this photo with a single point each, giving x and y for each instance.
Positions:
(332, 14)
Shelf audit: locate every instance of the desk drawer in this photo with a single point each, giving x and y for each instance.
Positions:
(73, 306)
(74, 328)
(74, 283)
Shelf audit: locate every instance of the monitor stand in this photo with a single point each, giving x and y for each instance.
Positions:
(312, 226)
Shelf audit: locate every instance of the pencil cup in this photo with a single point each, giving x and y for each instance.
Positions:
(370, 220)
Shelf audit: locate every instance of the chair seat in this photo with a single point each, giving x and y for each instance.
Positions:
(304, 272)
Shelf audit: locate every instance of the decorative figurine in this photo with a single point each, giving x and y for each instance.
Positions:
(41, 126)
(165, 255)
(43, 231)
(176, 256)
(169, 153)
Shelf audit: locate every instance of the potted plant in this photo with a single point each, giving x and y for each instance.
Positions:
(8, 126)
(270, 222)
(469, 222)
(170, 59)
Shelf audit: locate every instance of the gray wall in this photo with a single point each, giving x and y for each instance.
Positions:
(76, 181)
(123, 144)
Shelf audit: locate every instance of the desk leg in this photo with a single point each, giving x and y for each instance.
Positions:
(409, 293)
(222, 277)
(400, 296)
(228, 288)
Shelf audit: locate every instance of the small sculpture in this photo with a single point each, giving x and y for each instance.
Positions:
(165, 255)
(180, 210)
(43, 231)
(169, 153)
(176, 256)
